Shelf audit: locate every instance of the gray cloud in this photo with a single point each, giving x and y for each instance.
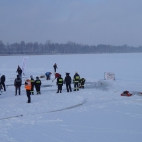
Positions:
(92, 22)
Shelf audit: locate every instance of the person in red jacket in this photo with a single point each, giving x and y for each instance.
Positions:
(56, 76)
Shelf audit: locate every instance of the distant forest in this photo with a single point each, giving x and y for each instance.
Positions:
(67, 48)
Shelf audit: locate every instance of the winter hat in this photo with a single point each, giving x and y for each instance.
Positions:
(67, 73)
(31, 76)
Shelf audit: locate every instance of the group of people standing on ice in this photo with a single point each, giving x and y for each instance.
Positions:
(78, 82)
(31, 83)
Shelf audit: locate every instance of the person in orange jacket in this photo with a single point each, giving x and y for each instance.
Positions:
(28, 90)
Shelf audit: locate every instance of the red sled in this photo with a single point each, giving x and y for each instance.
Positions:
(126, 93)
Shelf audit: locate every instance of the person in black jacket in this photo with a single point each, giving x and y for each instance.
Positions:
(0, 88)
(32, 85)
(37, 85)
(3, 82)
(67, 81)
(17, 84)
(19, 70)
(60, 84)
(55, 67)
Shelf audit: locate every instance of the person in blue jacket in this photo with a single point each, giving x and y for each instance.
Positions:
(48, 75)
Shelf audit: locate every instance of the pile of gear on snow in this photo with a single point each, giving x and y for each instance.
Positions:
(126, 93)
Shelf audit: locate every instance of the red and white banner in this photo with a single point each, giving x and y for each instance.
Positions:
(23, 66)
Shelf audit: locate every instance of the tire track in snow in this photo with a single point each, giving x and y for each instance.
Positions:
(66, 108)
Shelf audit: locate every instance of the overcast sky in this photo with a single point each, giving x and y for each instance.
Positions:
(92, 22)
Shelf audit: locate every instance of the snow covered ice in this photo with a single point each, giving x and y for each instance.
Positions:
(95, 114)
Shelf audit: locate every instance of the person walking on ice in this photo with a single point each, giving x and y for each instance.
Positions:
(55, 67)
(19, 71)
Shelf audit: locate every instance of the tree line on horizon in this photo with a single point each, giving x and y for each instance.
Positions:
(67, 48)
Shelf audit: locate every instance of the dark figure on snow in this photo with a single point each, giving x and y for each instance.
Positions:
(28, 90)
(17, 84)
(67, 81)
(0, 88)
(19, 71)
(81, 83)
(76, 81)
(55, 67)
(48, 75)
(37, 85)
(3, 82)
(32, 84)
(60, 84)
